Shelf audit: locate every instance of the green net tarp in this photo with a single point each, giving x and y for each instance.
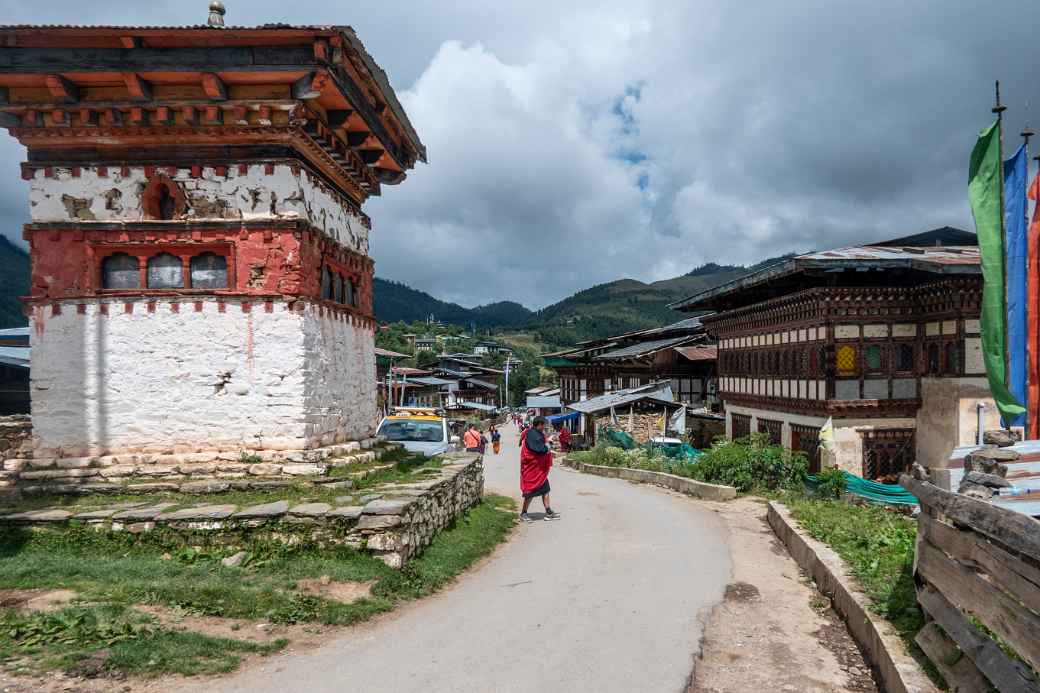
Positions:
(675, 452)
(872, 490)
(617, 439)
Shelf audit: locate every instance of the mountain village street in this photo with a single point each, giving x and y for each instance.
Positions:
(613, 597)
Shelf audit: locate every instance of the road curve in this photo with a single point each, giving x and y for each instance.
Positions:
(606, 599)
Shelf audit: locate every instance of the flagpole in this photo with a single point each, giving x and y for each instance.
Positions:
(999, 110)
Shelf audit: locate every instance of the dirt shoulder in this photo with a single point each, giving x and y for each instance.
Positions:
(773, 631)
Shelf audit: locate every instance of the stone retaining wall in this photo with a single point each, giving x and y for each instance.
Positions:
(690, 487)
(395, 527)
(15, 448)
(144, 473)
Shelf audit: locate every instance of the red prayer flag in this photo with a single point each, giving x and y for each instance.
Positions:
(1033, 311)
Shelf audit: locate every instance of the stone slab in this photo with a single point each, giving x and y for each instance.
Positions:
(387, 507)
(205, 487)
(310, 509)
(347, 512)
(204, 512)
(141, 514)
(274, 509)
(378, 521)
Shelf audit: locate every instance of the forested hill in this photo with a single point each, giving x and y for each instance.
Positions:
(395, 302)
(601, 311)
(628, 304)
(14, 282)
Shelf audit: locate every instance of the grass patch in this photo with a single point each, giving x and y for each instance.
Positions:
(116, 638)
(117, 571)
(878, 546)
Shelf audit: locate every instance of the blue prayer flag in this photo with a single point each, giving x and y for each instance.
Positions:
(1015, 225)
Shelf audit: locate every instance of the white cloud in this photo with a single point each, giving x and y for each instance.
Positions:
(573, 142)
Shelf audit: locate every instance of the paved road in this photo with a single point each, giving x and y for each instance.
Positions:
(606, 599)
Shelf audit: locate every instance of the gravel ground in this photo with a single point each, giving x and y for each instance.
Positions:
(773, 631)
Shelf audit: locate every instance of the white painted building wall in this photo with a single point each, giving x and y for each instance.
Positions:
(286, 193)
(187, 381)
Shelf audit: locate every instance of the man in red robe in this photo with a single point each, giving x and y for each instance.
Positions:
(565, 438)
(535, 461)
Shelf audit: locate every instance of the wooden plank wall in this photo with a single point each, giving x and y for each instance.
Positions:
(977, 568)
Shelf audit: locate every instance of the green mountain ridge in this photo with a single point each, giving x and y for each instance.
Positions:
(600, 311)
(14, 282)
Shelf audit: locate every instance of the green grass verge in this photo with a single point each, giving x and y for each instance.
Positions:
(878, 546)
(118, 571)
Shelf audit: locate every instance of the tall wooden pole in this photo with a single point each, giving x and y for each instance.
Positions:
(999, 110)
(1031, 308)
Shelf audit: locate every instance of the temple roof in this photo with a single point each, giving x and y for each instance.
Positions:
(319, 81)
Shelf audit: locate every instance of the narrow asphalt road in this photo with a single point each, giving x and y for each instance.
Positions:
(607, 599)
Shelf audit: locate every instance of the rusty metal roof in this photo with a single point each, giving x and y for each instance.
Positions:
(963, 260)
(698, 353)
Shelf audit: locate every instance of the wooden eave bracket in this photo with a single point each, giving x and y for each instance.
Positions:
(214, 86)
(139, 89)
(62, 89)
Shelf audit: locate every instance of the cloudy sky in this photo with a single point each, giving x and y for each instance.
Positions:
(573, 142)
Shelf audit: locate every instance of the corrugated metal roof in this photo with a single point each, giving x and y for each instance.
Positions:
(379, 352)
(657, 392)
(937, 259)
(472, 405)
(642, 348)
(699, 353)
(687, 324)
(543, 402)
(482, 383)
(431, 381)
(15, 356)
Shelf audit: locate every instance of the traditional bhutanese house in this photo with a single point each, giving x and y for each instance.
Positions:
(680, 353)
(882, 338)
(641, 411)
(544, 401)
(14, 371)
(385, 359)
(475, 382)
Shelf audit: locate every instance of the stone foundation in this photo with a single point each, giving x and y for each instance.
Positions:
(188, 472)
(395, 527)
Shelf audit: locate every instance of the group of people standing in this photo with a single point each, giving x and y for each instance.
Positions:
(475, 441)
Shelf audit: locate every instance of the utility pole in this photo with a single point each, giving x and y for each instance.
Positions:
(508, 359)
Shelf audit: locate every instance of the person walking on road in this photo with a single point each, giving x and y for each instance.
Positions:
(471, 440)
(535, 461)
(496, 439)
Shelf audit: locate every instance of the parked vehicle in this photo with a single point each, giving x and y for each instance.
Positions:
(420, 430)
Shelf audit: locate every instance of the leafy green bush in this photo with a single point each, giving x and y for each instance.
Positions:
(830, 483)
(751, 463)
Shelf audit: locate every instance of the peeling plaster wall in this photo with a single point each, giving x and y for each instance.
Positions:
(177, 381)
(948, 417)
(339, 380)
(288, 192)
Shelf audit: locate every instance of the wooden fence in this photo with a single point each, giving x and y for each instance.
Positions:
(977, 568)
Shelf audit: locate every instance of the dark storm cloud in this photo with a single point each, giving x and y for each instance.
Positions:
(572, 143)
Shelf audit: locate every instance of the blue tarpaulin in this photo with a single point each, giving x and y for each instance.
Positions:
(559, 418)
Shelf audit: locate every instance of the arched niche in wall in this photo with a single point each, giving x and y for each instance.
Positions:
(163, 199)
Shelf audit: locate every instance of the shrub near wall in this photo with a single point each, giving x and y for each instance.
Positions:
(745, 464)
(751, 463)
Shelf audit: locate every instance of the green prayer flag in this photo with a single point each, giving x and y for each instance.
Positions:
(985, 183)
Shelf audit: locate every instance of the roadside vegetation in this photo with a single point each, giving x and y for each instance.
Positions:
(748, 464)
(116, 577)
